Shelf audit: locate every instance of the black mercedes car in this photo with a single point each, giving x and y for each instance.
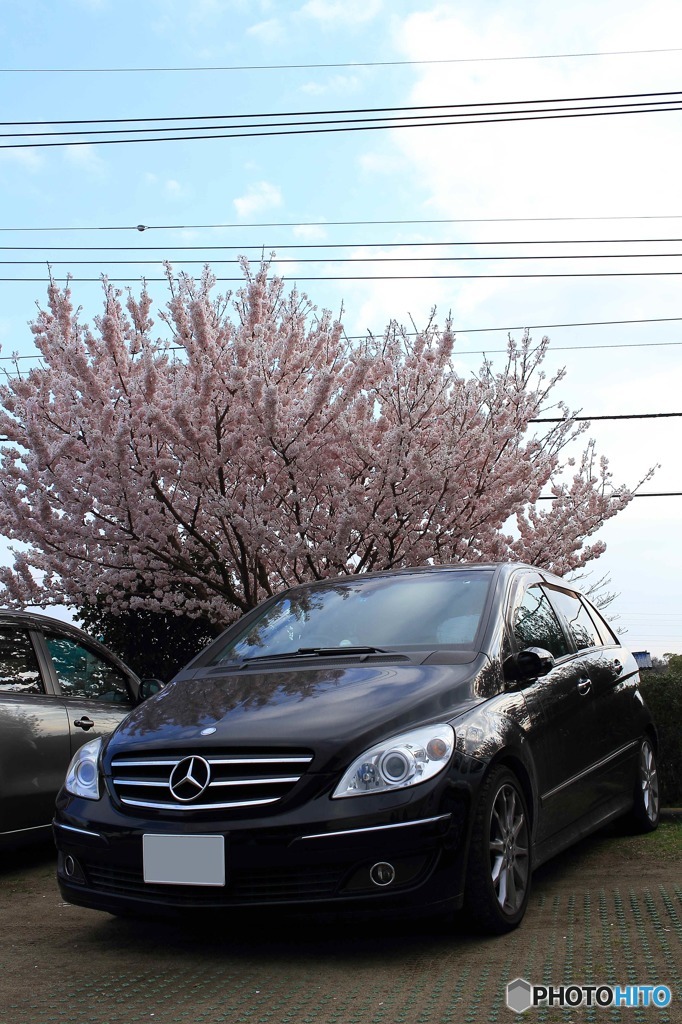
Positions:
(410, 740)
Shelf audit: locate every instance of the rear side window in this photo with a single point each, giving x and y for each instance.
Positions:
(83, 673)
(536, 624)
(579, 621)
(19, 672)
(608, 638)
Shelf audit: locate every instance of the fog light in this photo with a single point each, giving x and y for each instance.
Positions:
(70, 867)
(382, 873)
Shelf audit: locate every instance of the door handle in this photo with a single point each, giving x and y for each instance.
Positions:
(84, 723)
(617, 667)
(584, 685)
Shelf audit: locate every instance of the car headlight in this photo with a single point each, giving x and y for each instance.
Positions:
(404, 760)
(82, 777)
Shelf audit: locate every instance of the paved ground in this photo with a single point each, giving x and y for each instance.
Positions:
(610, 911)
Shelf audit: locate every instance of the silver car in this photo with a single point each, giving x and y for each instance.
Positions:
(58, 689)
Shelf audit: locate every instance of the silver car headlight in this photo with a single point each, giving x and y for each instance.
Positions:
(404, 760)
(82, 777)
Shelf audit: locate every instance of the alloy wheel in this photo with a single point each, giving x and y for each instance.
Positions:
(649, 781)
(508, 844)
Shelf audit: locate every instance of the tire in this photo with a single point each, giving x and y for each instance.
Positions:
(646, 807)
(499, 865)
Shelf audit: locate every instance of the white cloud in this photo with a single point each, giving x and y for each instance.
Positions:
(86, 159)
(174, 190)
(346, 12)
(259, 197)
(310, 232)
(268, 32)
(27, 159)
(343, 84)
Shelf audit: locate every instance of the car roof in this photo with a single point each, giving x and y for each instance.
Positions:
(504, 569)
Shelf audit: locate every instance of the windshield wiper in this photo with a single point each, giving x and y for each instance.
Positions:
(341, 650)
(308, 652)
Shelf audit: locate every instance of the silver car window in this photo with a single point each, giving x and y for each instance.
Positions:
(83, 673)
(19, 671)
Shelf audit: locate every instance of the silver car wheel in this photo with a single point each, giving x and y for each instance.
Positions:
(508, 845)
(649, 781)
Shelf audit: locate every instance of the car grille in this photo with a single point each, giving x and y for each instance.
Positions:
(213, 782)
(266, 885)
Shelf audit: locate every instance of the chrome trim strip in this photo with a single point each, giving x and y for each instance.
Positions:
(375, 828)
(198, 807)
(139, 782)
(143, 764)
(253, 782)
(166, 762)
(587, 771)
(81, 831)
(260, 760)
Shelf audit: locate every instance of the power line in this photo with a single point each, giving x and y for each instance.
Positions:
(621, 416)
(369, 277)
(486, 352)
(447, 109)
(500, 351)
(343, 64)
(359, 259)
(348, 223)
(333, 245)
(362, 125)
(658, 494)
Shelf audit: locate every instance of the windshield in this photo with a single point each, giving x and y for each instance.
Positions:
(432, 610)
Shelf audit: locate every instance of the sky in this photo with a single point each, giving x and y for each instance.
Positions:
(601, 189)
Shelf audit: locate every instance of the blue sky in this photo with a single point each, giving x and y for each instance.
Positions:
(491, 183)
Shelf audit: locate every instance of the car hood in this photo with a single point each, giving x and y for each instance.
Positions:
(327, 710)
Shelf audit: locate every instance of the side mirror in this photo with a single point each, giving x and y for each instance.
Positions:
(148, 687)
(528, 664)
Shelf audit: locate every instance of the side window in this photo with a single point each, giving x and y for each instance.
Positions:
(82, 673)
(608, 638)
(19, 672)
(582, 627)
(536, 624)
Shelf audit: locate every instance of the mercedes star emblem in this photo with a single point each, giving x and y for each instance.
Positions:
(189, 778)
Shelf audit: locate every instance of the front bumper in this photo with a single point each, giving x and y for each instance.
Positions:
(322, 863)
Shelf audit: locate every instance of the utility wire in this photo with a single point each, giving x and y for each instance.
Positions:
(621, 416)
(335, 245)
(358, 259)
(360, 125)
(289, 278)
(481, 352)
(657, 494)
(347, 223)
(340, 64)
(394, 112)
(497, 351)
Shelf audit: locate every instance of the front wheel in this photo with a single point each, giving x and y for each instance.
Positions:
(499, 867)
(647, 806)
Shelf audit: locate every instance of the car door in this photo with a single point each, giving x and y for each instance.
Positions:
(613, 685)
(34, 735)
(560, 704)
(96, 694)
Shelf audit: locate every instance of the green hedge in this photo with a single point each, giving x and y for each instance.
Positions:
(663, 695)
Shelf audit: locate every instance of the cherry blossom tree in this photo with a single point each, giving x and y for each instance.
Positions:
(247, 444)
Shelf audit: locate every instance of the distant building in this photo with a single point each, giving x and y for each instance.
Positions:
(643, 659)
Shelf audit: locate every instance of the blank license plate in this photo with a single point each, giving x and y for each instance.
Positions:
(184, 860)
